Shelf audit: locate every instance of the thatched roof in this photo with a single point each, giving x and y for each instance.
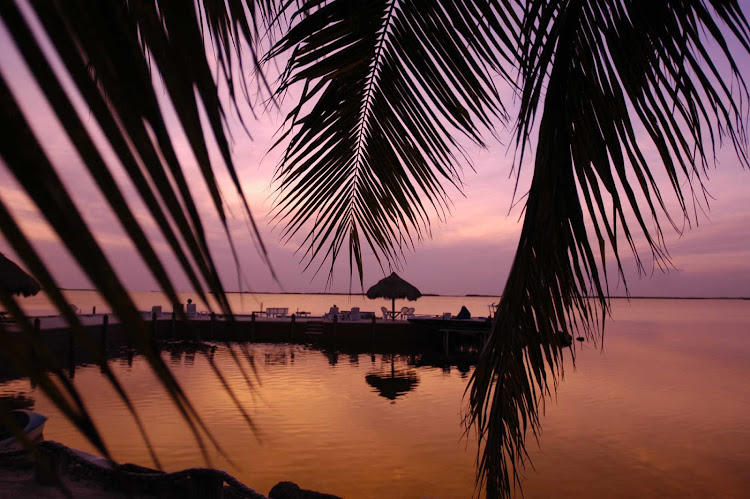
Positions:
(15, 281)
(395, 288)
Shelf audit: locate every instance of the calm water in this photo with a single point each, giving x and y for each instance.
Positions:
(662, 411)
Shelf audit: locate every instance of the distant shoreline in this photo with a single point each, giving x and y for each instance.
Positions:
(470, 295)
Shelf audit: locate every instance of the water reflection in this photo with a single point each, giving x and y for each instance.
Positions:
(276, 358)
(394, 384)
(662, 412)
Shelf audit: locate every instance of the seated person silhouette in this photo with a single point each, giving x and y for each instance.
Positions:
(191, 311)
(334, 312)
(464, 314)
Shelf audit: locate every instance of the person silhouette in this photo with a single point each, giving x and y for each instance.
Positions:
(334, 312)
(191, 311)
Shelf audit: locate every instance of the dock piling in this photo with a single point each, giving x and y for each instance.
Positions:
(103, 342)
(174, 325)
(252, 325)
(103, 335)
(71, 354)
(37, 328)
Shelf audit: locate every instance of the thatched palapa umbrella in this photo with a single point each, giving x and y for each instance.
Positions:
(393, 287)
(14, 281)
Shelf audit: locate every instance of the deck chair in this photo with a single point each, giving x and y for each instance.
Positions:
(354, 314)
(191, 310)
(404, 312)
(409, 312)
(385, 312)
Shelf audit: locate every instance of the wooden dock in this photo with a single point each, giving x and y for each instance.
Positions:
(107, 335)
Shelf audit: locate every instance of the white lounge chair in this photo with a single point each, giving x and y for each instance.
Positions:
(409, 312)
(404, 312)
(277, 312)
(354, 315)
(386, 315)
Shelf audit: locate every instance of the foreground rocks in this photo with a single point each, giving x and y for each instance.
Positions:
(290, 490)
(59, 471)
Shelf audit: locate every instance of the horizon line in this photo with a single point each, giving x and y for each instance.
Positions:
(468, 295)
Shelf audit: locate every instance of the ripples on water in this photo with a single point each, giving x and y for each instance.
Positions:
(662, 411)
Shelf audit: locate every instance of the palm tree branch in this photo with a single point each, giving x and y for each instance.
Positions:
(391, 81)
(605, 67)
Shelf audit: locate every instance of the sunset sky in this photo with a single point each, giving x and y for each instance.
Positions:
(470, 252)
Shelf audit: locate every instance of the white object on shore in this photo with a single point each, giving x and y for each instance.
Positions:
(31, 422)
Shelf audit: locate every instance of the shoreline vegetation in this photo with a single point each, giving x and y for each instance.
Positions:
(468, 295)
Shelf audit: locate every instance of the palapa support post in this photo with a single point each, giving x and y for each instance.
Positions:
(93, 310)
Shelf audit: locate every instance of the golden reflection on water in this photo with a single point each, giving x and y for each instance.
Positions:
(662, 411)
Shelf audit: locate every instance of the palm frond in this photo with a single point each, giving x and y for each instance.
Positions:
(608, 67)
(387, 86)
(112, 51)
(390, 88)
